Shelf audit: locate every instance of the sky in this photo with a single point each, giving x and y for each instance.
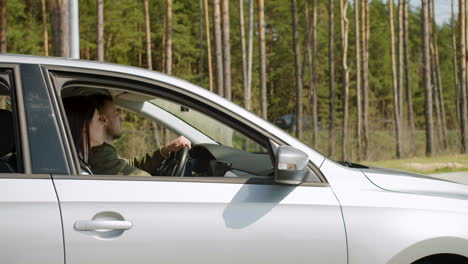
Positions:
(443, 9)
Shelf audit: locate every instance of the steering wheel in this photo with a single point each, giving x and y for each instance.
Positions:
(174, 165)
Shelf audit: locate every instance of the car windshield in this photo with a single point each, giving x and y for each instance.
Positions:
(214, 129)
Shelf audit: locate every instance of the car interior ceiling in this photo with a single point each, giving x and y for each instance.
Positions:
(116, 93)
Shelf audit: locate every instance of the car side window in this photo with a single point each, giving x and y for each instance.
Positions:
(141, 123)
(224, 152)
(211, 127)
(9, 135)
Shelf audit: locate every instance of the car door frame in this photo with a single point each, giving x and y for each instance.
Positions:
(156, 87)
(33, 209)
(167, 91)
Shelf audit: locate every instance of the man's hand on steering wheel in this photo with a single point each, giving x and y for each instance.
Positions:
(174, 165)
(176, 154)
(175, 145)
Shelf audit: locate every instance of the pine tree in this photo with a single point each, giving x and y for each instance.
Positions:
(298, 69)
(427, 79)
(396, 104)
(100, 29)
(344, 50)
(331, 74)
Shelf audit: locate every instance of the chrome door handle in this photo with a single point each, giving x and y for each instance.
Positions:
(96, 225)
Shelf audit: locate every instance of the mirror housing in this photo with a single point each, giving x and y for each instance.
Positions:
(290, 165)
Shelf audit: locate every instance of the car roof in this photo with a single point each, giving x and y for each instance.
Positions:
(111, 67)
(77, 63)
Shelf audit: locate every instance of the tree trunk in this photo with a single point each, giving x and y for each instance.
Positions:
(298, 70)
(218, 48)
(400, 61)
(263, 88)
(149, 59)
(455, 69)
(168, 68)
(331, 74)
(365, 76)
(3, 43)
(358, 81)
(435, 94)
(226, 50)
(163, 48)
(244, 51)
(312, 58)
(64, 28)
(409, 95)
(168, 52)
(55, 21)
(463, 84)
(154, 126)
(396, 104)
(139, 54)
(466, 75)
(427, 79)
(59, 16)
(87, 53)
(208, 46)
(44, 25)
(155, 134)
(248, 94)
(438, 83)
(344, 52)
(108, 44)
(100, 29)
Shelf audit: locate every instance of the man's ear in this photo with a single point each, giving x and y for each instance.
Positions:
(103, 119)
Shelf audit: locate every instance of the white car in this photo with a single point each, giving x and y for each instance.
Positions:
(247, 193)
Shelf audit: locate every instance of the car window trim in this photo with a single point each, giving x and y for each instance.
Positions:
(208, 179)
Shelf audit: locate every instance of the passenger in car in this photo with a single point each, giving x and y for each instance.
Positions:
(86, 125)
(104, 158)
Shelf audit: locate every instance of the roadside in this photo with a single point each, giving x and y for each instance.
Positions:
(461, 176)
(433, 165)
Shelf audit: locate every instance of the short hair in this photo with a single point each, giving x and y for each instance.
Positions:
(100, 100)
(80, 112)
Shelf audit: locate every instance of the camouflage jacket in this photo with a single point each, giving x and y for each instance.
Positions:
(104, 160)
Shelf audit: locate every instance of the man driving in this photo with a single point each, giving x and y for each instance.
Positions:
(104, 158)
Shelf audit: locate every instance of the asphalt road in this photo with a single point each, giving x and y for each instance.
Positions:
(461, 176)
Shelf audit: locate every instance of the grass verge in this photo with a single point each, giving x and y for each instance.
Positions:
(439, 164)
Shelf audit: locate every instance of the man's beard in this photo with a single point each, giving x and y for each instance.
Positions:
(116, 136)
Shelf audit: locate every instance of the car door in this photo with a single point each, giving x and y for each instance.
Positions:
(130, 219)
(31, 228)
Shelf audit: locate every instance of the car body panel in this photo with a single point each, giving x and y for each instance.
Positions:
(200, 222)
(399, 181)
(30, 220)
(394, 227)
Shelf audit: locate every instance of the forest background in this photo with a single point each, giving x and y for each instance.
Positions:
(340, 71)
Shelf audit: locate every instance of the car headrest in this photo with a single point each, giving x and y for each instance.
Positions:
(7, 138)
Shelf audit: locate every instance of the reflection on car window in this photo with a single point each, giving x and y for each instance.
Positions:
(211, 127)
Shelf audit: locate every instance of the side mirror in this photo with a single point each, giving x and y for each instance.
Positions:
(290, 165)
